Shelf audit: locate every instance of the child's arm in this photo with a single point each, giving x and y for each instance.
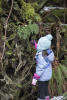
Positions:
(50, 55)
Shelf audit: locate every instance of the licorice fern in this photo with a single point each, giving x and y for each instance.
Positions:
(59, 79)
(64, 70)
(26, 31)
(52, 83)
(65, 96)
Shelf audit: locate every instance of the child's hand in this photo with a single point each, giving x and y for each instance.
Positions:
(49, 51)
(46, 52)
(33, 42)
(35, 78)
(34, 81)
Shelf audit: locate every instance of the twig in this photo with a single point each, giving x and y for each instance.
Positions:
(5, 27)
(20, 60)
(24, 77)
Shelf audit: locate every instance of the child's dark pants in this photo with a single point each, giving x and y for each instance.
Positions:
(43, 89)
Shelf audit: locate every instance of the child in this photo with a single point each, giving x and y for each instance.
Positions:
(44, 58)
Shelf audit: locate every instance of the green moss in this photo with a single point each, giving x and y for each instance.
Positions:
(28, 11)
(35, 5)
(37, 17)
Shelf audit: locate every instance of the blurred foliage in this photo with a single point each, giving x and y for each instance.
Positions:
(0, 6)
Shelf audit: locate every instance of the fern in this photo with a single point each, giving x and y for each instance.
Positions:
(59, 79)
(64, 70)
(26, 31)
(52, 83)
(65, 96)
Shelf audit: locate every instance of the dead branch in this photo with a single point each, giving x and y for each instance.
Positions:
(5, 27)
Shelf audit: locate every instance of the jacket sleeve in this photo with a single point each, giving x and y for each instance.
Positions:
(41, 65)
(51, 57)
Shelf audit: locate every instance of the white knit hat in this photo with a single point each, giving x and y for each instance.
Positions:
(44, 43)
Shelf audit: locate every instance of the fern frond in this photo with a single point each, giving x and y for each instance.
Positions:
(59, 79)
(65, 96)
(64, 70)
(26, 31)
(52, 85)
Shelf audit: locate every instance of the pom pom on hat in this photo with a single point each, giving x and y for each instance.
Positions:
(49, 37)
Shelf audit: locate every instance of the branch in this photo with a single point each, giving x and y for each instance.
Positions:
(5, 27)
(42, 4)
(52, 8)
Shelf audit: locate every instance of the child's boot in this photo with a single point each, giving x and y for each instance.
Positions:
(47, 98)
